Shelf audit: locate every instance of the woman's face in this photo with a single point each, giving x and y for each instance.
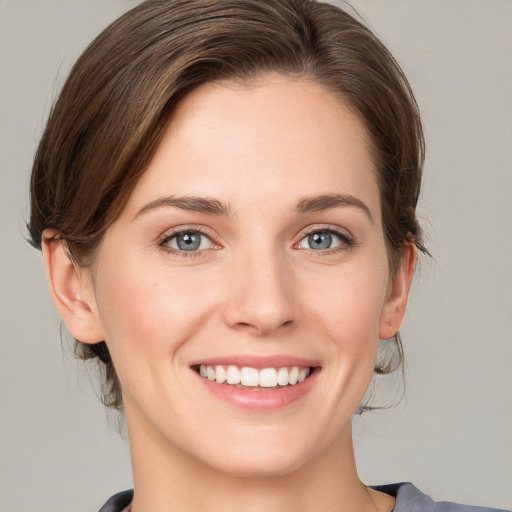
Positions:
(252, 248)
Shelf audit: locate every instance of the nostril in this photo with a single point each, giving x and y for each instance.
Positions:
(263, 328)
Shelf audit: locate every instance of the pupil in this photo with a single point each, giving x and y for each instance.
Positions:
(320, 240)
(189, 241)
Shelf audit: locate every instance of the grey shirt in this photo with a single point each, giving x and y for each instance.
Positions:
(408, 499)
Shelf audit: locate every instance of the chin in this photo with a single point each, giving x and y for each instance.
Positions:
(259, 455)
(260, 467)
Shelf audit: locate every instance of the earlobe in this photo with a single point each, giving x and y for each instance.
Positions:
(71, 290)
(394, 307)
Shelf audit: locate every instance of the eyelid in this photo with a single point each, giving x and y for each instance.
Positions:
(347, 239)
(189, 228)
(326, 227)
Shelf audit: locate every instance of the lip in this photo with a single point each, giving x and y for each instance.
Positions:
(259, 399)
(257, 361)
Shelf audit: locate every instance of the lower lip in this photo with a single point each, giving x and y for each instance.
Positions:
(259, 399)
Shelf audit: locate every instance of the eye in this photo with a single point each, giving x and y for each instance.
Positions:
(187, 241)
(322, 240)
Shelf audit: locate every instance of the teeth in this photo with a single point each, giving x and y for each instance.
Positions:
(282, 376)
(252, 377)
(302, 375)
(268, 378)
(220, 374)
(210, 373)
(293, 375)
(233, 375)
(249, 376)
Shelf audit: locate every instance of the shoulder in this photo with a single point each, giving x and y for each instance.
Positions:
(118, 502)
(410, 499)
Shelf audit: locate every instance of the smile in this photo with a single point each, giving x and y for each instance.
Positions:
(248, 377)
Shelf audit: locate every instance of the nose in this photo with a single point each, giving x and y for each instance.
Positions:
(261, 295)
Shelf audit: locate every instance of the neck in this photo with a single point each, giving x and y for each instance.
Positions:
(167, 479)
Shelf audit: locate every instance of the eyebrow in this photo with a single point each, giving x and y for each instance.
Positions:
(206, 205)
(327, 201)
(211, 206)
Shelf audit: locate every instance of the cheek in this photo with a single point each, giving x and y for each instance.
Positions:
(344, 320)
(151, 310)
(352, 305)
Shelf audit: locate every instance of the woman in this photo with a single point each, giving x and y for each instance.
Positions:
(225, 198)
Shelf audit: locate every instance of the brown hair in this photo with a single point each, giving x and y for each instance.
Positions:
(116, 102)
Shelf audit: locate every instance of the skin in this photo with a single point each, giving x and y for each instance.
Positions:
(255, 287)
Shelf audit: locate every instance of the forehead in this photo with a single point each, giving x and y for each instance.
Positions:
(275, 138)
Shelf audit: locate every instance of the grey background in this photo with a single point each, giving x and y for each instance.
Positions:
(452, 433)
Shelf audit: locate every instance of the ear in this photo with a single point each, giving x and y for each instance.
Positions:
(393, 310)
(71, 290)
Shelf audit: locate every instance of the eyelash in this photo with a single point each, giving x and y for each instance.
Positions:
(168, 236)
(346, 240)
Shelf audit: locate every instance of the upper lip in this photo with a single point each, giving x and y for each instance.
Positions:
(257, 361)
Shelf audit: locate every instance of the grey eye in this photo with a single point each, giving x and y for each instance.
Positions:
(321, 241)
(188, 241)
